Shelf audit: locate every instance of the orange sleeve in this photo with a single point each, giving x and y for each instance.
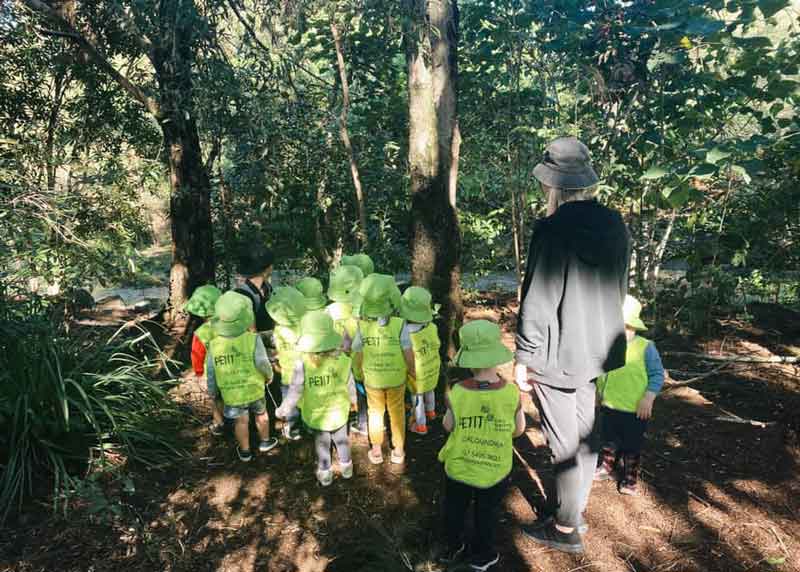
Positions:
(198, 356)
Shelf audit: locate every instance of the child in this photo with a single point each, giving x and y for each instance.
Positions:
(483, 416)
(364, 262)
(420, 342)
(343, 292)
(323, 381)
(255, 265)
(286, 308)
(314, 293)
(377, 353)
(201, 304)
(626, 398)
(237, 366)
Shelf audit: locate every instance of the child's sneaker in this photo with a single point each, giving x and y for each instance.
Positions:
(375, 458)
(630, 475)
(398, 458)
(244, 456)
(484, 563)
(325, 478)
(418, 429)
(347, 470)
(216, 429)
(290, 434)
(606, 463)
(267, 445)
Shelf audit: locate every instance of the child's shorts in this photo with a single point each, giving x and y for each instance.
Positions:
(257, 407)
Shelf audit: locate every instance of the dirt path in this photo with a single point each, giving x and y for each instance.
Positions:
(716, 495)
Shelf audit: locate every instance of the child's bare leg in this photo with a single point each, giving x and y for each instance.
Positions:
(242, 431)
(216, 412)
(262, 425)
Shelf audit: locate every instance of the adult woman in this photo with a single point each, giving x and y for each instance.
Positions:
(570, 327)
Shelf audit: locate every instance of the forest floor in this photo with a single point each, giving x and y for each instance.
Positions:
(717, 495)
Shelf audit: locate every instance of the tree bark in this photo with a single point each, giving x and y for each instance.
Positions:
(344, 134)
(430, 42)
(172, 56)
(190, 199)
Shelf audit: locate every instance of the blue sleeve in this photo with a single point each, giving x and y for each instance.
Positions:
(655, 369)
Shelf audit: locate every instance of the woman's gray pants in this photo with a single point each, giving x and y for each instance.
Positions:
(568, 424)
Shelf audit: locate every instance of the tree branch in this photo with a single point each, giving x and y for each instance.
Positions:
(94, 53)
(736, 358)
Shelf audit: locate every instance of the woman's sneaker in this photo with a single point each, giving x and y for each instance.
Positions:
(267, 445)
(244, 456)
(347, 470)
(548, 535)
(325, 478)
(398, 458)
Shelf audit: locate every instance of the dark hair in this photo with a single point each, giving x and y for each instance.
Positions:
(253, 259)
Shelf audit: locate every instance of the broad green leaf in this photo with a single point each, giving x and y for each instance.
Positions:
(654, 172)
(717, 154)
(771, 7)
(703, 171)
(753, 42)
(679, 196)
(704, 27)
(776, 560)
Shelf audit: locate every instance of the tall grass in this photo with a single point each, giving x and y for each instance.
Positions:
(71, 403)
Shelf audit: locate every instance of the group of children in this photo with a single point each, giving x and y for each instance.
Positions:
(359, 345)
(363, 347)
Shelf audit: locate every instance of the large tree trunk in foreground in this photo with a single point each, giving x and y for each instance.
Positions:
(431, 40)
(171, 51)
(190, 197)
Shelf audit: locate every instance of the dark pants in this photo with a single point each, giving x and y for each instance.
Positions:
(322, 444)
(361, 414)
(622, 430)
(487, 501)
(568, 424)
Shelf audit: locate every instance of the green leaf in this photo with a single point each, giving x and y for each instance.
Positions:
(717, 154)
(776, 560)
(771, 7)
(753, 42)
(679, 196)
(703, 171)
(654, 172)
(704, 27)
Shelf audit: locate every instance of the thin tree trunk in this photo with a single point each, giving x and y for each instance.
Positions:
(431, 39)
(658, 257)
(344, 133)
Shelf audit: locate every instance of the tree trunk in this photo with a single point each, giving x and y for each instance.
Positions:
(190, 197)
(344, 134)
(432, 154)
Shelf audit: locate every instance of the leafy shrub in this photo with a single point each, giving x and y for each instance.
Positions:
(69, 404)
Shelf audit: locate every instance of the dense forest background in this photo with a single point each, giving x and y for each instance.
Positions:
(134, 129)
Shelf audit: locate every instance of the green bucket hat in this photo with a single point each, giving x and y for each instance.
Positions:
(202, 301)
(314, 293)
(317, 333)
(481, 346)
(380, 296)
(566, 164)
(631, 310)
(343, 283)
(286, 306)
(363, 261)
(415, 305)
(233, 314)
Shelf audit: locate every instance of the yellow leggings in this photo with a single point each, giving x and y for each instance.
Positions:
(380, 400)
